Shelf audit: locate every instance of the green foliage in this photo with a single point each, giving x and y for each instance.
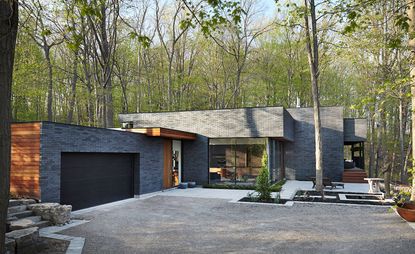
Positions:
(142, 39)
(276, 187)
(211, 14)
(402, 197)
(263, 185)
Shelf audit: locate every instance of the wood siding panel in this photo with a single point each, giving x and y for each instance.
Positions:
(165, 133)
(25, 160)
(167, 162)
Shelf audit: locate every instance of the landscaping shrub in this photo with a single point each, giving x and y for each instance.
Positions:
(263, 185)
(276, 187)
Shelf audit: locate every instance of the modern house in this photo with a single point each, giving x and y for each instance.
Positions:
(86, 166)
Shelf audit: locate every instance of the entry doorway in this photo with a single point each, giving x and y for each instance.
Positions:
(172, 163)
(177, 162)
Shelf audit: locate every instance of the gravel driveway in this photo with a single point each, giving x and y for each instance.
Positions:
(167, 224)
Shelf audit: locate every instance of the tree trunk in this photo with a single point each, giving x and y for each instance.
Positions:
(124, 97)
(170, 83)
(413, 128)
(379, 151)
(109, 106)
(312, 52)
(46, 50)
(411, 23)
(372, 145)
(387, 176)
(401, 139)
(8, 32)
(107, 71)
(74, 80)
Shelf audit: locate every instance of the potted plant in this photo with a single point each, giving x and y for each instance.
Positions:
(404, 207)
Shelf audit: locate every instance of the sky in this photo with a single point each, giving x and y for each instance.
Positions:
(269, 7)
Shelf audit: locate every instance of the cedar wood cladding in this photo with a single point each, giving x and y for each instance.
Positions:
(25, 160)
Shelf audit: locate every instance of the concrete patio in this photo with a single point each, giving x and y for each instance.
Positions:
(291, 187)
(288, 191)
(191, 221)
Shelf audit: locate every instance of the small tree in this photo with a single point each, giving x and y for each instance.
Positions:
(263, 185)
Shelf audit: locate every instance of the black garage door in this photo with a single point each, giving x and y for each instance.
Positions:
(89, 179)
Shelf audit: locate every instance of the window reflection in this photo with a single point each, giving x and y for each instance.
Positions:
(235, 160)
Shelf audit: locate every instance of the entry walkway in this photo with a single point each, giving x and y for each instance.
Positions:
(288, 191)
(233, 195)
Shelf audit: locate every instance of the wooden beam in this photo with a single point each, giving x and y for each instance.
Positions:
(164, 133)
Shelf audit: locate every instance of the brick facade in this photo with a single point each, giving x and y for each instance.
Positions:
(295, 126)
(245, 122)
(300, 154)
(57, 138)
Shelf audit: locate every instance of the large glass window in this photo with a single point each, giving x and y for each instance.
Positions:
(236, 160)
(277, 155)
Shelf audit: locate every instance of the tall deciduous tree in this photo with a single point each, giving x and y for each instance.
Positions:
(411, 23)
(310, 23)
(45, 38)
(8, 33)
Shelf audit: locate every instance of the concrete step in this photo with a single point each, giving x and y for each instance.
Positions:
(16, 209)
(25, 222)
(11, 218)
(24, 201)
(42, 224)
(20, 215)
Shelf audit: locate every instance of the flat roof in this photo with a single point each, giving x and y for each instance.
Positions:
(219, 109)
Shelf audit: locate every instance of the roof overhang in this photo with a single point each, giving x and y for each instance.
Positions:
(164, 133)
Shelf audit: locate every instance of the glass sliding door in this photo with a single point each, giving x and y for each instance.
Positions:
(236, 160)
(276, 159)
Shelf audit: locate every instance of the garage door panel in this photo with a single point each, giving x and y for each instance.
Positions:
(102, 186)
(89, 179)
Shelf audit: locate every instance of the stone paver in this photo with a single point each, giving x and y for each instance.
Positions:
(173, 224)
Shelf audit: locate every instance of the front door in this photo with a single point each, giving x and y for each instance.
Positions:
(172, 163)
(177, 162)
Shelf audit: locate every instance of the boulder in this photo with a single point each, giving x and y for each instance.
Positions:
(24, 239)
(10, 246)
(53, 212)
(27, 222)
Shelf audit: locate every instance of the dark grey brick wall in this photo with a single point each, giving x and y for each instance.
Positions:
(300, 155)
(288, 126)
(57, 138)
(195, 160)
(355, 130)
(244, 122)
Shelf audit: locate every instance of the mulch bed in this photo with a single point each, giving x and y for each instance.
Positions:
(255, 200)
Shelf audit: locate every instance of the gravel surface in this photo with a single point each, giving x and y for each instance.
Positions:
(164, 224)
